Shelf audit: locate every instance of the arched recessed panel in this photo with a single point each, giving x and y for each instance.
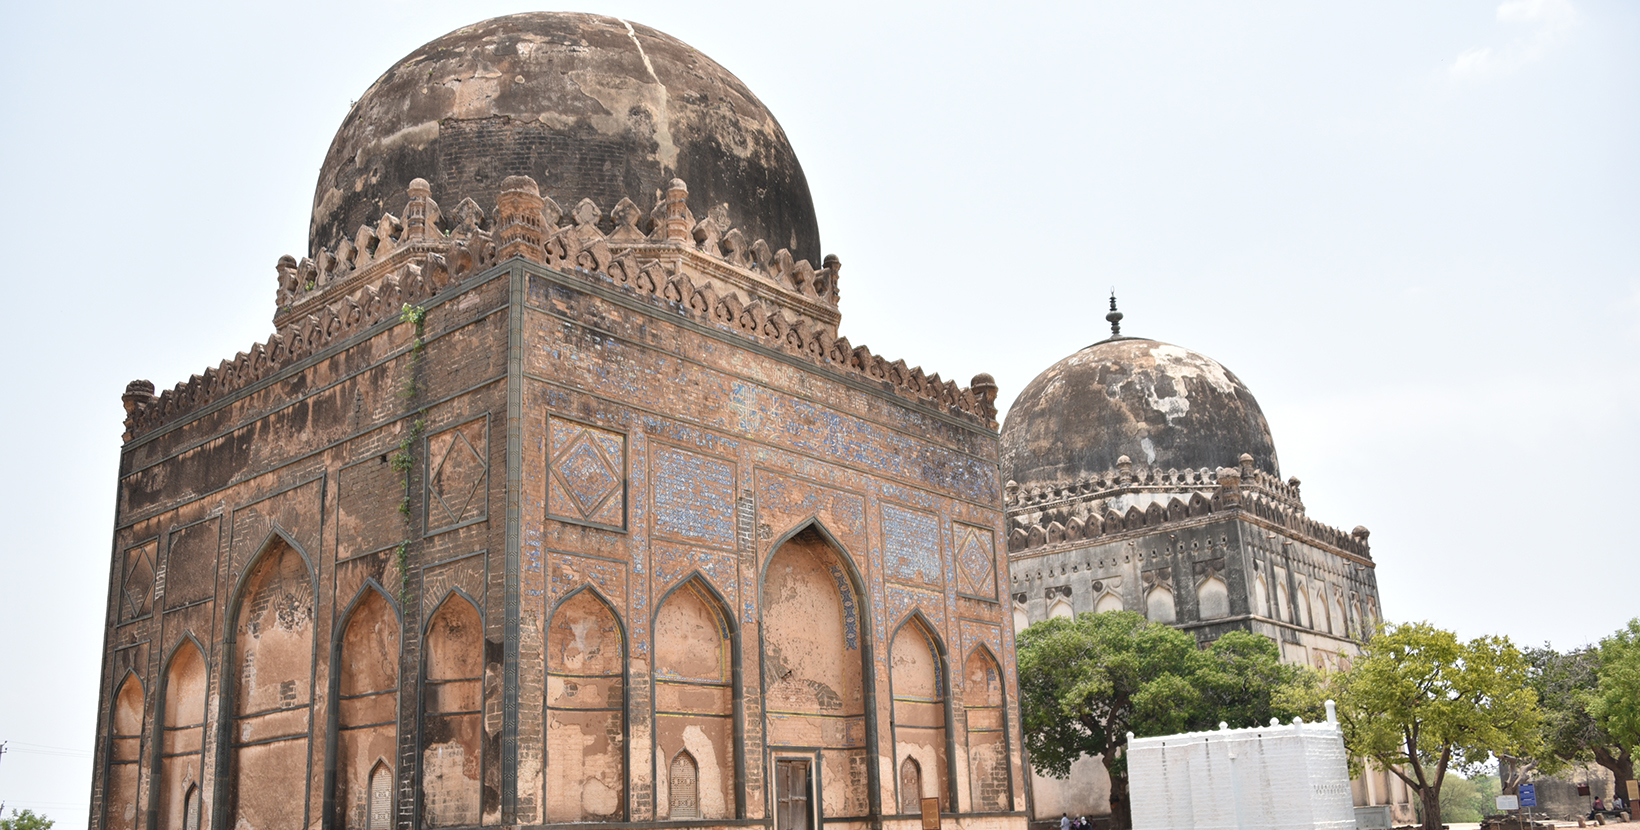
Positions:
(191, 809)
(367, 708)
(182, 734)
(1284, 603)
(380, 816)
(1212, 598)
(124, 755)
(694, 702)
(911, 786)
(1159, 605)
(1302, 609)
(452, 737)
(586, 711)
(1109, 601)
(683, 787)
(987, 739)
(1022, 620)
(1261, 597)
(918, 677)
(1060, 609)
(813, 666)
(1322, 610)
(272, 688)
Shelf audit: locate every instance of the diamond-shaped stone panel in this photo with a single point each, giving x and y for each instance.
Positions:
(975, 559)
(586, 474)
(137, 587)
(457, 476)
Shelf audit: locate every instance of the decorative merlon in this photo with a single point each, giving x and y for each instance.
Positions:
(696, 267)
(1048, 515)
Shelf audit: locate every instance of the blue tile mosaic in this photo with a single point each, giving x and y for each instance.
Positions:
(694, 497)
(851, 614)
(911, 545)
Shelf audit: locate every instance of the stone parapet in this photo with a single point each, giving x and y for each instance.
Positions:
(698, 266)
(1086, 509)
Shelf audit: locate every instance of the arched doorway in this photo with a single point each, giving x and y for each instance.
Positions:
(816, 684)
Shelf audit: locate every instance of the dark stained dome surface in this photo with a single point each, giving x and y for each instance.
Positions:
(1155, 403)
(589, 106)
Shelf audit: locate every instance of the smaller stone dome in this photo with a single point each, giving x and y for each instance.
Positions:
(1158, 404)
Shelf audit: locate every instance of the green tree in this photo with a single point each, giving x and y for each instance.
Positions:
(25, 820)
(1241, 680)
(1563, 682)
(1086, 682)
(1469, 799)
(1420, 702)
(1614, 705)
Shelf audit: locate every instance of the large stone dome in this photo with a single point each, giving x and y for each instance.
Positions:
(1156, 403)
(589, 106)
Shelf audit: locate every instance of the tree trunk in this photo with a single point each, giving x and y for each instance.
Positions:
(1121, 808)
(1621, 764)
(1430, 798)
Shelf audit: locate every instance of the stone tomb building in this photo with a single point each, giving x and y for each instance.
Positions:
(556, 497)
(1142, 476)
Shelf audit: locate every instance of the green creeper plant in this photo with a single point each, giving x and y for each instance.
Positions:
(404, 457)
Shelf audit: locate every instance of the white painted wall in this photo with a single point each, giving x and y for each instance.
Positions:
(1281, 777)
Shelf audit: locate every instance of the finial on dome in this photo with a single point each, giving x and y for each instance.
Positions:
(1115, 317)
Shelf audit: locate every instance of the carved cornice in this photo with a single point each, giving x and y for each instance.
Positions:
(696, 266)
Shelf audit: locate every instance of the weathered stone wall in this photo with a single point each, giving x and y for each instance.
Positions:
(253, 532)
(560, 552)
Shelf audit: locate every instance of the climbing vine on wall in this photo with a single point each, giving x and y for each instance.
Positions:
(404, 458)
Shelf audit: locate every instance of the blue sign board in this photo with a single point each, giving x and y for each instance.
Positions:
(1528, 795)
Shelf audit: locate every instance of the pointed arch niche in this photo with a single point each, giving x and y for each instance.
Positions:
(586, 711)
(1284, 604)
(272, 690)
(124, 755)
(366, 678)
(452, 748)
(814, 658)
(917, 676)
(1159, 604)
(695, 695)
(182, 733)
(982, 700)
(1212, 598)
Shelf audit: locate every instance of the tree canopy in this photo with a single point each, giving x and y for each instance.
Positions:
(1469, 799)
(25, 820)
(1590, 699)
(1614, 705)
(1418, 701)
(1086, 682)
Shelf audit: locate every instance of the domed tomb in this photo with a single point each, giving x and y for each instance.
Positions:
(1156, 403)
(589, 106)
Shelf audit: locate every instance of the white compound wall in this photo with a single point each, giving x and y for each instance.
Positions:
(1278, 777)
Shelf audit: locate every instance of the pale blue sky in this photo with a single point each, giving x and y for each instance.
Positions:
(1411, 228)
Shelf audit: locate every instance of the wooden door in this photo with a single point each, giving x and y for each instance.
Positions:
(791, 787)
